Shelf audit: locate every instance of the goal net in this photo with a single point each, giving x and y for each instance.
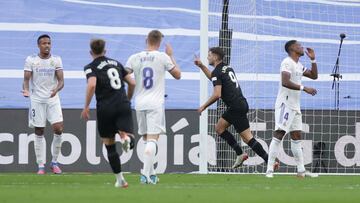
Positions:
(253, 34)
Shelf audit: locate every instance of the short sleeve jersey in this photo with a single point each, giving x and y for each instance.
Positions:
(43, 79)
(150, 69)
(289, 97)
(109, 75)
(231, 92)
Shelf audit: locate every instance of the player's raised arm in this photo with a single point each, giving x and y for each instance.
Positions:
(175, 70)
(204, 69)
(313, 72)
(131, 86)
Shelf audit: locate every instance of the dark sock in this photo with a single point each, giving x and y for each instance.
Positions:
(230, 139)
(114, 159)
(258, 149)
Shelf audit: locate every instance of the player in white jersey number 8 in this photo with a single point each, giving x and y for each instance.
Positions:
(149, 68)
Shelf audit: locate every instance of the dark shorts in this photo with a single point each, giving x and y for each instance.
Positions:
(112, 118)
(238, 116)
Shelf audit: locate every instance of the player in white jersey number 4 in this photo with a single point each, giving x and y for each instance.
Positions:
(149, 68)
(43, 79)
(287, 107)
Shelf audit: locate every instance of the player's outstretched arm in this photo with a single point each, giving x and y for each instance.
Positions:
(175, 72)
(27, 77)
(204, 69)
(60, 78)
(313, 73)
(214, 97)
(90, 90)
(286, 82)
(131, 86)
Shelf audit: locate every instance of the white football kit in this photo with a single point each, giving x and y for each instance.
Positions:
(150, 68)
(287, 107)
(42, 82)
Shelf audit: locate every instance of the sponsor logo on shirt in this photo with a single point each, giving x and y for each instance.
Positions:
(44, 72)
(87, 71)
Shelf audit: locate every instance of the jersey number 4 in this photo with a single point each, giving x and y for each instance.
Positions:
(114, 77)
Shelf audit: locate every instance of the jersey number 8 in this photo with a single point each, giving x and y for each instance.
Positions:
(114, 77)
(148, 75)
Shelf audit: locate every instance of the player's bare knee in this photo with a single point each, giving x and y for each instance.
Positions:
(219, 129)
(154, 137)
(58, 128)
(122, 134)
(279, 134)
(108, 141)
(246, 139)
(296, 135)
(246, 135)
(39, 131)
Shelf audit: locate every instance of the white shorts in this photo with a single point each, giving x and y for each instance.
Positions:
(287, 119)
(40, 112)
(151, 121)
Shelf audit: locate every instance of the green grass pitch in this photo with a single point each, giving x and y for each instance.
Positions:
(184, 188)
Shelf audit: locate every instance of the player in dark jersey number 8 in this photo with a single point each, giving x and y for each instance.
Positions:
(226, 87)
(106, 76)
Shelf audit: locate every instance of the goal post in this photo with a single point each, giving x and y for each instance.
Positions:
(204, 47)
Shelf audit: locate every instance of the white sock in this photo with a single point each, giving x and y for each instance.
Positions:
(273, 153)
(152, 170)
(40, 147)
(298, 154)
(149, 156)
(119, 177)
(56, 147)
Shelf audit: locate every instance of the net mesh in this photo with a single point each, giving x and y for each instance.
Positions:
(253, 36)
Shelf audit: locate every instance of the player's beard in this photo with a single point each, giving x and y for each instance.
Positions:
(46, 52)
(301, 53)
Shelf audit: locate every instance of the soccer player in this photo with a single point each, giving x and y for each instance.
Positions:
(105, 78)
(287, 106)
(45, 73)
(149, 67)
(227, 87)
